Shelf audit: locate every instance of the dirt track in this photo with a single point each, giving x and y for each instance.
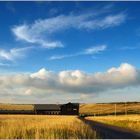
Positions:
(111, 132)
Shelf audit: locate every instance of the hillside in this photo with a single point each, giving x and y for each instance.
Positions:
(110, 108)
(16, 107)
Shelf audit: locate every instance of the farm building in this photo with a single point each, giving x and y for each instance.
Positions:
(57, 109)
(50, 109)
(70, 109)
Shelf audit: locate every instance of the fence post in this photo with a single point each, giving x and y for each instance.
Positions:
(125, 109)
(115, 109)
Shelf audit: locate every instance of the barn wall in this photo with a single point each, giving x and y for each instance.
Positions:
(70, 109)
(47, 112)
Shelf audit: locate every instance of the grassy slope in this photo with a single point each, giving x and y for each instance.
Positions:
(109, 108)
(131, 122)
(16, 107)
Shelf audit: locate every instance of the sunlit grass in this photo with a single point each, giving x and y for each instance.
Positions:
(44, 127)
(16, 107)
(120, 108)
(130, 121)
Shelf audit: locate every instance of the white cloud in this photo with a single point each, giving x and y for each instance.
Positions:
(46, 82)
(34, 35)
(106, 22)
(28, 92)
(95, 49)
(13, 54)
(41, 74)
(89, 51)
(57, 57)
(41, 30)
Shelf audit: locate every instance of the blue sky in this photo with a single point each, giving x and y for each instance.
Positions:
(69, 51)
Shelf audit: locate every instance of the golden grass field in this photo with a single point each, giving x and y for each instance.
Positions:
(44, 127)
(16, 107)
(131, 122)
(97, 109)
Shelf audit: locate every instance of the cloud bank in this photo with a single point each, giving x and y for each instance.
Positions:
(40, 31)
(45, 82)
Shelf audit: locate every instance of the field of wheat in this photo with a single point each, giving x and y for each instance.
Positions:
(44, 127)
(131, 122)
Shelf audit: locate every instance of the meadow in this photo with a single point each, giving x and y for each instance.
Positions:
(131, 122)
(16, 107)
(110, 108)
(44, 127)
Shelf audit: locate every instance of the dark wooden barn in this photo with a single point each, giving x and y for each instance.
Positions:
(57, 109)
(50, 109)
(70, 109)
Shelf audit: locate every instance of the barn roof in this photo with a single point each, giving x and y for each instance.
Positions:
(47, 107)
(73, 104)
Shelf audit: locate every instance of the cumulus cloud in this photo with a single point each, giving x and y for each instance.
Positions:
(46, 82)
(41, 30)
(12, 54)
(89, 51)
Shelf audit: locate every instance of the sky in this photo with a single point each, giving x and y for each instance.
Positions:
(59, 52)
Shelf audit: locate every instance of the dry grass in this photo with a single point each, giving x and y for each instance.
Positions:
(44, 127)
(97, 109)
(130, 121)
(16, 107)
